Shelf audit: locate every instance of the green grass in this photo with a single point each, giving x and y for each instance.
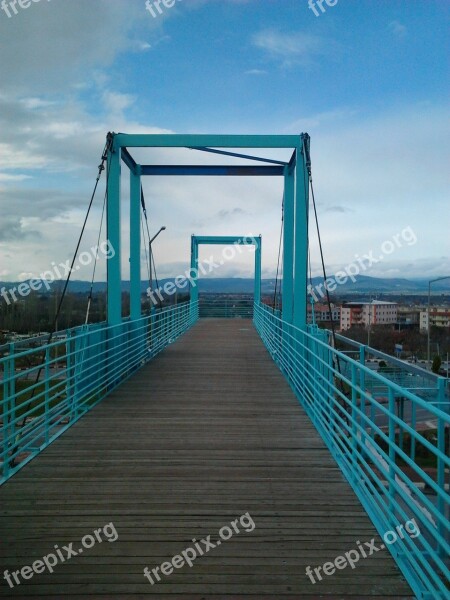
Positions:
(423, 457)
(24, 387)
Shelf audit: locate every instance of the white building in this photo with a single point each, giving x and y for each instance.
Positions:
(368, 314)
(439, 317)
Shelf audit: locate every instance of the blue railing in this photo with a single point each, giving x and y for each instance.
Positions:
(47, 388)
(396, 461)
(225, 308)
(416, 379)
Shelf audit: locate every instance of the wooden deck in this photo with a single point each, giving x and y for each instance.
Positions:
(207, 432)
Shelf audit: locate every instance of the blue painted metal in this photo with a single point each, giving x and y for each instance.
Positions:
(258, 260)
(363, 435)
(79, 371)
(297, 208)
(114, 280)
(301, 240)
(129, 160)
(225, 308)
(213, 170)
(214, 141)
(224, 240)
(135, 245)
(288, 246)
(245, 156)
(194, 272)
(419, 381)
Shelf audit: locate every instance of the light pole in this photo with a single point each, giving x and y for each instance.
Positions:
(370, 315)
(151, 255)
(428, 314)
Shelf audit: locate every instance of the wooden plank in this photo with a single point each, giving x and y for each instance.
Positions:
(207, 432)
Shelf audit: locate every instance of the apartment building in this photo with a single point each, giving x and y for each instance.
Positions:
(322, 313)
(439, 317)
(409, 316)
(367, 314)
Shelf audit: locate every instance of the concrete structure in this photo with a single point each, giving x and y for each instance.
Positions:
(439, 317)
(408, 316)
(322, 313)
(368, 313)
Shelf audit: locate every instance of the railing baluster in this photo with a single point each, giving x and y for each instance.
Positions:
(46, 393)
(441, 483)
(392, 428)
(7, 408)
(354, 414)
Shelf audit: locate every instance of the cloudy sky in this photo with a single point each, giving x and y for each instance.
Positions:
(367, 80)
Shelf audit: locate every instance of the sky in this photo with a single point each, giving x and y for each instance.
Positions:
(368, 80)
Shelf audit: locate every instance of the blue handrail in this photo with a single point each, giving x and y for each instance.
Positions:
(366, 435)
(76, 373)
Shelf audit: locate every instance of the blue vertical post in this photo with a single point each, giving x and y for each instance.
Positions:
(301, 238)
(288, 247)
(135, 244)
(113, 233)
(194, 274)
(391, 424)
(258, 256)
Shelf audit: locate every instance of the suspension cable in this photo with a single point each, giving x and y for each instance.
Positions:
(279, 256)
(144, 210)
(101, 168)
(152, 256)
(322, 260)
(313, 313)
(150, 251)
(91, 290)
(146, 258)
(333, 330)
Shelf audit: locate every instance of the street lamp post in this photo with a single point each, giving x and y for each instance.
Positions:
(152, 329)
(151, 255)
(428, 315)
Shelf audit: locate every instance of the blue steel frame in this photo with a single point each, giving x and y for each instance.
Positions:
(296, 202)
(222, 240)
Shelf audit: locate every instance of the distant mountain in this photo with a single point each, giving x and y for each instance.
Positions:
(397, 285)
(362, 285)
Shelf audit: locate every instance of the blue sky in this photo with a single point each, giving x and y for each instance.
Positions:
(367, 80)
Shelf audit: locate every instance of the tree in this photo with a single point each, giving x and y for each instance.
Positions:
(436, 364)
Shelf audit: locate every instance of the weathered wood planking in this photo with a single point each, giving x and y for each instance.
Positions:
(207, 432)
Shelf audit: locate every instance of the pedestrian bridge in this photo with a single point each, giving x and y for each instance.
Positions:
(252, 455)
(172, 427)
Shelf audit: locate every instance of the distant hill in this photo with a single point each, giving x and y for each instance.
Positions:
(362, 285)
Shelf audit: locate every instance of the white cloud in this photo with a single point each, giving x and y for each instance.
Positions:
(116, 103)
(292, 48)
(77, 35)
(316, 121)
(398, 29)
(7, 177)
(372, 166)
(256, 72)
